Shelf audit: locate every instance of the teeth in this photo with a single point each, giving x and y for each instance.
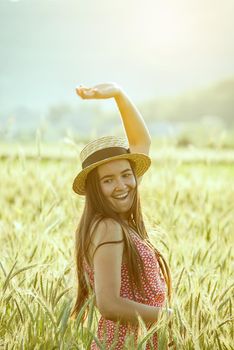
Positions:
(122, 195)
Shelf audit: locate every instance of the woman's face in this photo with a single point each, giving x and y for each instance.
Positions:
(117, 183)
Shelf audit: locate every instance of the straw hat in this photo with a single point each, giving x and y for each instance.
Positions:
(103, 150)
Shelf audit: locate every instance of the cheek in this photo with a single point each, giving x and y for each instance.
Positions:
(132, 182)
(107, 189)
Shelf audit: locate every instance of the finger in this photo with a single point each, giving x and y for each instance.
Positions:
(82, 92)
(81, 88)
(88, 93)
(78, 90)
(85, 92)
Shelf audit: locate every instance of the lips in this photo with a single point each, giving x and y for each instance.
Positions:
(121, 196)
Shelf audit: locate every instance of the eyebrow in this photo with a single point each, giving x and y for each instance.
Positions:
(124, 171)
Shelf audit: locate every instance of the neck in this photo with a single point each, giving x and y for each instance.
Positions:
(124, 217)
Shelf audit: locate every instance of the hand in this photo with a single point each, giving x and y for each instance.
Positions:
(99, 91)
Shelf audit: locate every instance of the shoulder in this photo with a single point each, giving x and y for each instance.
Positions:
(106, 229)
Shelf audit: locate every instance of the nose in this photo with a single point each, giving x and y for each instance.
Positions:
(120, 185)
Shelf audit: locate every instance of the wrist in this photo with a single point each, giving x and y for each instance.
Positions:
(119, 93)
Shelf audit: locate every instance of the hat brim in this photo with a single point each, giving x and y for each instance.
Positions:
(142, 163)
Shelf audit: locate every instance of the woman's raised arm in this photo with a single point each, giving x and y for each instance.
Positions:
(136, 130)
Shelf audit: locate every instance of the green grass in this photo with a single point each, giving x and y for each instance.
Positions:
(188, 208)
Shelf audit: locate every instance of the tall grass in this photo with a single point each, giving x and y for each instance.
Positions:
(189, 211)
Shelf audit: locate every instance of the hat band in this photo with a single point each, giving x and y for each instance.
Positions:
(104, 154)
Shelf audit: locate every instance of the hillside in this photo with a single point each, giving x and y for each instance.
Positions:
(214, 103)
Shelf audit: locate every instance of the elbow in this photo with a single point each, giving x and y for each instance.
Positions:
(106, 309)
(107, 314)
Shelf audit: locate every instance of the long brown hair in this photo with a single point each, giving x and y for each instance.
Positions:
(97, 208)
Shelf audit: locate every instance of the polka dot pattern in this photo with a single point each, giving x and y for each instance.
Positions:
(155, 292)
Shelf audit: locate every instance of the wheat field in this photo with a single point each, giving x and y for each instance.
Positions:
(189, 212)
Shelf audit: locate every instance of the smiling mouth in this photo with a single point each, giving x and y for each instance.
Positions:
(122, 197)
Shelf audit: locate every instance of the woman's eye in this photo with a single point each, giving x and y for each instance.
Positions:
(108, 181)
(126, 175)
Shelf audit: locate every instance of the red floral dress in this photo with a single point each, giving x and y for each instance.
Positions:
(155, 292)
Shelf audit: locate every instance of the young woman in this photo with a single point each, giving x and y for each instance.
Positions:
(114, 255)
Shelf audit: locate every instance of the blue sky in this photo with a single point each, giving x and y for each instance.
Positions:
(152, 48)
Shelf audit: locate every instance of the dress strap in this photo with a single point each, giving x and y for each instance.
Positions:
(109, 242)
